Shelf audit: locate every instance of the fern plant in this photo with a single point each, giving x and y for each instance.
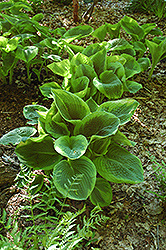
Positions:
(160, 175)
(57, 231)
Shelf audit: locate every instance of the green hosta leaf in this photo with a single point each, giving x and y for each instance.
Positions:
(79, 59)
(140, 47)
(50, 43)
(144, 63)
(38, 153)
(121, 139)
(92, 104)
(9, 60)
(56, 129)
(114, 59)
(3, 42)
(37, 184)
(102, 193)
(131, 66)
(148, 27)
(51, 56)
(119, 166)
(80, 86)
(38, 17)
(97, 125)
(85, 70)
(77, 33)
(71, 147)
(61, 68)
(71, 107)
(100, 146)
(46, 88)
(53, 123)
(132, 28)
(92, 49)
(118, 44)
(114, 30)
(158, 52)
(26, 53)
(124, 109)
(117, 69)
(99, 60)
(109, 85)
(156, 32)
(75, 48)
(17, 135)
(30, 112)
(24, 37)
(75, 179)
(133, 86)
(100, 32)
(11, 44)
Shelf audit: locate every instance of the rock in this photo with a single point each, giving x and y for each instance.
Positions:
(153, 208)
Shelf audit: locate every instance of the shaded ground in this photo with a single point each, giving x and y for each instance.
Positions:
(137, 218)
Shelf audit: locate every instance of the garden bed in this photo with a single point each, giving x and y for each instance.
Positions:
(137, 218)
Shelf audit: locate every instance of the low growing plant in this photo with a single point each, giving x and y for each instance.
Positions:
(160, 175)
(157, 7)
(50, 227)
(77, 142)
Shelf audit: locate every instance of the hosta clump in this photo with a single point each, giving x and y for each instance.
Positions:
(82, 144)
(94, 73)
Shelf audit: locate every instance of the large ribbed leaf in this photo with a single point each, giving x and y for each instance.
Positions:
(118, 44)
(71, 107)
(119, 166)
(109, 85)
(92, 49)
(80, 86)
(77, 32)
(53, 123)
(85, 70)
(123, 109)
(61, 68)
(72, 147)
(98, 125)
(99, 60)
(102, 193)
(30, 112)
(132, 27)
(38, 153)
(17, 135)
(46, 88)
(26, 53)
(121, 139)
(131, 66)
(78, 59)
(75, 179)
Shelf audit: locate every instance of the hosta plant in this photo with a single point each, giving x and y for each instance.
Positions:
(92, 73)
(80, 143)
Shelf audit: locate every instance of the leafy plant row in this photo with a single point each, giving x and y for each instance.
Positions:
(78, 138)
(23, 38)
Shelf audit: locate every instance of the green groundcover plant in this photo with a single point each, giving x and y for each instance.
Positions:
(157, 7)
(23, 38)
(47, 225)
(160, 176)
(80, 144)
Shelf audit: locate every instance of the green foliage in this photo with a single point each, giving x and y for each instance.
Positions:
(157, 7)
(56, 229)
(158, 52)
(75, 142)
(160, 175)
